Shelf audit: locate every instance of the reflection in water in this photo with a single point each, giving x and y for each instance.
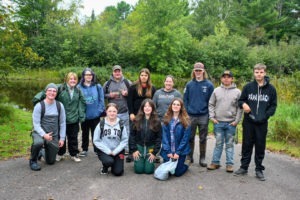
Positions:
(21, 92)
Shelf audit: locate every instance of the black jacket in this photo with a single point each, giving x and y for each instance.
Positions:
(145, 137)
(261, 99)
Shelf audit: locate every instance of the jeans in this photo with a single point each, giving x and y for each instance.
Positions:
(224, 132)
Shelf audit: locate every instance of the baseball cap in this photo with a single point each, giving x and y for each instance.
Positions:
(227, 72)
(198, 66)
(117, 67)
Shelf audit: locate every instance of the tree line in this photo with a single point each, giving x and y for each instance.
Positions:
(165, 36)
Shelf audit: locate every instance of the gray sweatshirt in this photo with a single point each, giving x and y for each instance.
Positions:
(50, 110)
(111, 141)
(117, 87)
(223, 104)
(162, 100)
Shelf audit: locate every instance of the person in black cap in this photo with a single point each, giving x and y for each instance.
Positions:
(225, 114)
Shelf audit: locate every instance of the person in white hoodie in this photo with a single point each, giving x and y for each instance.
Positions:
(110, 139)
(225, 113)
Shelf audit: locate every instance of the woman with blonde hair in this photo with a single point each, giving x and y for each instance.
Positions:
(175, 136)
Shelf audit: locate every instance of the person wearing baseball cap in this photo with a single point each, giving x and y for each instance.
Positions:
(225, 114)
(196, 96)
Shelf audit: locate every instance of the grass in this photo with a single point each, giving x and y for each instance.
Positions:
(15, 137)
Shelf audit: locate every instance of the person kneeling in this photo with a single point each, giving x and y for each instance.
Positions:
(110, 140)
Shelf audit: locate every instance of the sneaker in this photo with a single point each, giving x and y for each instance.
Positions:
(58, 158)
(240, 171)
(213, 166)
(103, 171)
(34, 165)
(260, 175)
(229, 168)
(83, 154)
(75, 158)
(202, 162)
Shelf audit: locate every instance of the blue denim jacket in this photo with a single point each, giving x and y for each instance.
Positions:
(182, 137)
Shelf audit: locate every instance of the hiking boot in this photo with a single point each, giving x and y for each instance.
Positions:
(229, 168)
(83, 154)
(75, 158)
(41, 156)
(34, 165)
(129, 158)
(213, 166)
(240, 171)
(58, 158)
(202, 162)
(260, 175)
(103, 171)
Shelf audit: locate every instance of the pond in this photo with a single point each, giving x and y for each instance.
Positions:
(21, 92)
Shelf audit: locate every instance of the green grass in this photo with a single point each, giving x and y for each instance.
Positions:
(15, 137)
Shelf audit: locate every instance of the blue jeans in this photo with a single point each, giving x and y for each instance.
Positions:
(224, 132)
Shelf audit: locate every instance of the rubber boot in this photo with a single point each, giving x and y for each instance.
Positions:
(202, 155)
(190, 156)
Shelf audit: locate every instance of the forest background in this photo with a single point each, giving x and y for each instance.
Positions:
(167, 37)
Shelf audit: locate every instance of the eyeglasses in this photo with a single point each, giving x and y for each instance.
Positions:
(88, 74)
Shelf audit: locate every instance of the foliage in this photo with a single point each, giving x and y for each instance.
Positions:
(15, 134)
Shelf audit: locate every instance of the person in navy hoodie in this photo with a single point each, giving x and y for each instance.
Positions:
(259, 102)
(94, 98)
(197, 93)
(176, 133)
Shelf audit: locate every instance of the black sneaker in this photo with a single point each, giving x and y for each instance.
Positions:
(103, 171)
(260, 175)
(34, 165)
(240, 171)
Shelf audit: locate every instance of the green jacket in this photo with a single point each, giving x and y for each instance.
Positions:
(75, 107)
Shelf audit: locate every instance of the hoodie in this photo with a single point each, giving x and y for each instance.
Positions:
(262, 101)
(223, 104)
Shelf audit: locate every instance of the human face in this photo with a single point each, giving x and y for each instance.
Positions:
(88, 76)
(226, 80)
(259, 75)
(111, 113)
(144, 77)
(198, 73)
(117, 74)
(176, 106)
(147, 109)
(51, 93)
(72, 81)
(169, 84)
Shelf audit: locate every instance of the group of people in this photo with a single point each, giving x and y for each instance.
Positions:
(149, 123)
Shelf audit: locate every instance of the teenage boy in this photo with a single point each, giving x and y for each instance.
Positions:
(259, 102)
(225, 114)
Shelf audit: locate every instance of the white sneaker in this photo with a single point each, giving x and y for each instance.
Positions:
(58, 158)
(75, 158)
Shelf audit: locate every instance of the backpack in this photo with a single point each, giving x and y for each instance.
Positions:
(121, 124)
(43, 108)
(42, 95)
(109, 82)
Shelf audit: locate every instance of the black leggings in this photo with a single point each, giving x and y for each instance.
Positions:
(115, 162)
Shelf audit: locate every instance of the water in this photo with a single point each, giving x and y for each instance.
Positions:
(21, 92)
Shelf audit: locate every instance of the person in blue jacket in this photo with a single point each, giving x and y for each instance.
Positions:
(175, 135)
(94, 100)
(196, 96)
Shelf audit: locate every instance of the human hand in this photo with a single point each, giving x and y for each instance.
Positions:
(61, 143)
(48, 136)
(151, 157)
(132, 117)
(170, 155)
(136, 155)
(176, 156)
(214, 121)
(124, 93)
(246, 108)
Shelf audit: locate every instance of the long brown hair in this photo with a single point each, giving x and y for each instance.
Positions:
(183, 116)
(154, 123)
(149, 84)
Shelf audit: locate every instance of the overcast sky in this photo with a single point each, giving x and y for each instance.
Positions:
(100, 5)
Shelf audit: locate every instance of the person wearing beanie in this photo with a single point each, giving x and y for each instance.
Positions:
(49, 128)
(196, 96)
(225, 114)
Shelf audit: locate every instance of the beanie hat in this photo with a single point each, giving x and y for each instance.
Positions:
(51, 85)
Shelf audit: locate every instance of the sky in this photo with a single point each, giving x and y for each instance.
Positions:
(100, 5)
